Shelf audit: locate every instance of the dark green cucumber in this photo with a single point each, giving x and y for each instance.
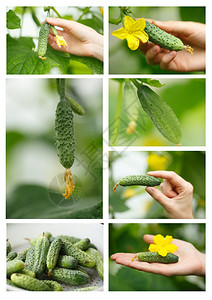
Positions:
(53, 285)
(162, 38)
(83, 244)
(72, 277)
(8, 247)
(11, 255)
(40, 255)
(66, 261)
(83, 259)
(96, 255)
(53, 253)
(64, 129)
(155, 257)
(144, 180)
(160, 113)
(14, 266)
(29, 283)
(43, 39)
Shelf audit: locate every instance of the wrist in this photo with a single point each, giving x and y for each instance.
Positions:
(97, 47)
(201, 270)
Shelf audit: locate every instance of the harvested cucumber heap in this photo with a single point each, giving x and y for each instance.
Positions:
(50, 261)
(144, 180)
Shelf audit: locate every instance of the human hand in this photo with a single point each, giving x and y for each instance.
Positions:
(175, 196)
(192, 34)
(81, 40)
(191, 261)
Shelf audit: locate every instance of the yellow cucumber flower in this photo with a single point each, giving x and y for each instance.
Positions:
(133, 31)
(162, 245)
(60, 41)
(157, 162)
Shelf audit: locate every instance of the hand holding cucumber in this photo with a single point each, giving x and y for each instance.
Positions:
(175, 196)
(191, 261)
(190, 33)
(81, 40)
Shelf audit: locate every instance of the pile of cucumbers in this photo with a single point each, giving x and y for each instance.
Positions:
(49, 261)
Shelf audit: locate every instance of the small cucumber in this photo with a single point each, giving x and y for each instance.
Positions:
(155, 257)
(144, 180)
(71, 239)
(53, 285)
(22, 255)
(8, 281)
(14, 266)
(96, 255)
(164, 39)
(28, 272)
(40, 255)
(72, 277)
(67, 262)
(53, 253)
(83, 244)
(29, 262)
(8, 247)
(43, 40)
(160, 113)
(83, 259)
(11, 255)
(29, 283)
(76, 107)
(33, 241)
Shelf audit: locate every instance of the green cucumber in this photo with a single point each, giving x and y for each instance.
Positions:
(22, 255)
(160, 113)
(28, 272)
(53, 285)
(11, 255)
(43, 40)
(30, 259)
(83, 259)
(66, 261)
(8, 281)
(71, 239)
(64, 129)
(29, 283)
(40, 255)
(76, 107)
(53, 253)
(14, 266)
(155, 257)
(72, 277)
(8, 247)
(96, 255)
(83, 244)
(144, 180)
(164, 39)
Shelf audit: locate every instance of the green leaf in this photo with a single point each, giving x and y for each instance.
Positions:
(151, 82)
(13, 21)
(22, 59)
(35, 202)
(95, 65)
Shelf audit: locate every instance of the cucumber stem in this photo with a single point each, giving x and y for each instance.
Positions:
(118, 112)
(135, 82)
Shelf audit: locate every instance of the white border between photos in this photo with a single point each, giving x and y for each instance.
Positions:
(106, 148)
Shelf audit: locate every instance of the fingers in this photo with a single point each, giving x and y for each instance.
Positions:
(167, 60)
(157, 195)
(148, 238)
(124, 255)
(167, 189)
(59, 22)
(171, 176)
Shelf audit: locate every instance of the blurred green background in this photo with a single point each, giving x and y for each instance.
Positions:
(129, 238)
(185, 96)
(135, 61)
(135, 202)
(34, 174)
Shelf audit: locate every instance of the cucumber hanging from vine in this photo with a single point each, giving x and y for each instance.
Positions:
(65, 142)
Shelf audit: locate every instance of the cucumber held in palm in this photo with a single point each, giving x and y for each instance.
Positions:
(160, 113)
(144, 180)
(164, 39)
(155, 257)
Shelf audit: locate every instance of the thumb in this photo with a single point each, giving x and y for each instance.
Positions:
(148, 238)
(157, 195)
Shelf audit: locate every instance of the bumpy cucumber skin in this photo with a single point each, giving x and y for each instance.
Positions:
(11, 255)
(43, 39)
(72, 277)
(8, 281)
(71, 239)
(53, 285)
(160, 113)
(64, 129)
(29, 262)
(53, 253)
(22, 255)
(76, 107)
(8, 247)
(83, 244)
(40, 255)
(96, 255)
(28, 272)
(162, 38)
(155, 257)
(144, 180)
(83, 258)
(29, 283)
(46, 233)
(67, 262)
(14, 266)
